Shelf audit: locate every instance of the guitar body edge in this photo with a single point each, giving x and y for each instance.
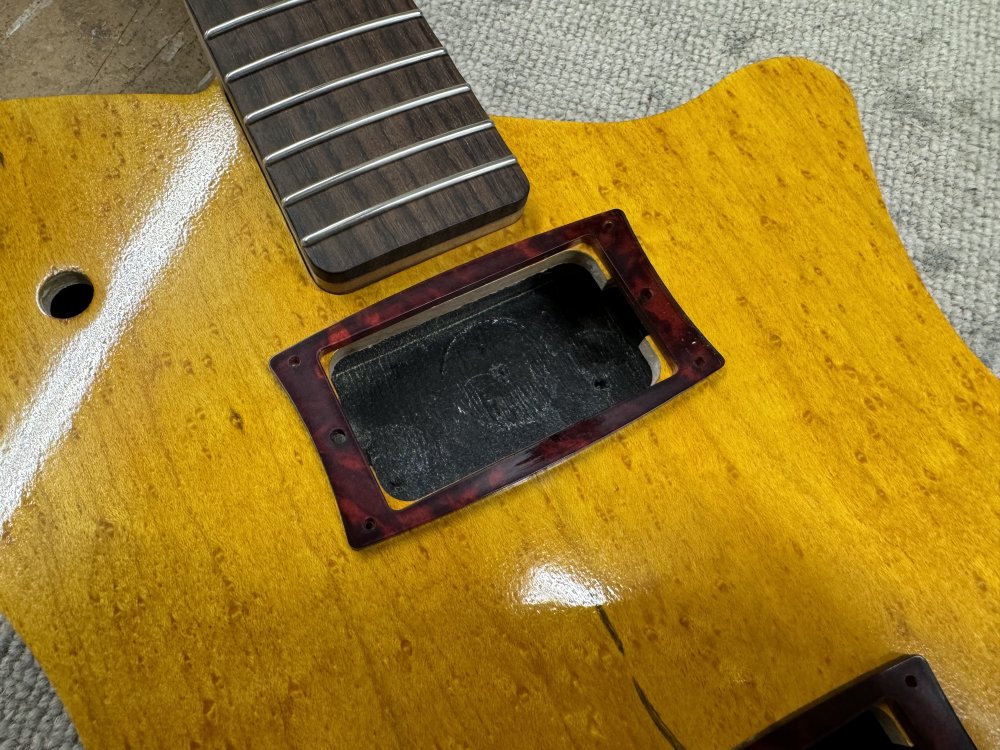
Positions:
(173, 555)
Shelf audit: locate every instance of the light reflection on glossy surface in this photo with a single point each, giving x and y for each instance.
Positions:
(142, 259)
(193, 584)
(554, 585)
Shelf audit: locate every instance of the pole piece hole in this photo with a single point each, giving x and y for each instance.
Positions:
(65, 294)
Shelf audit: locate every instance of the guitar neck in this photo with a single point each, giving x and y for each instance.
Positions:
(374, 146)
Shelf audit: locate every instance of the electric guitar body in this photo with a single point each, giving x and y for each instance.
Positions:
(174, 556)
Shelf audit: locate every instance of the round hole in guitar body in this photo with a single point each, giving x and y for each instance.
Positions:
(65, 294)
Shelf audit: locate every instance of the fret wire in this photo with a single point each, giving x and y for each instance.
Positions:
(382, 161)
(254, 15)
(263, 62)
(338, 83)
(401, 200)
(302, 145)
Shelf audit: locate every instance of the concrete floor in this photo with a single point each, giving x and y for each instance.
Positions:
(52, 47)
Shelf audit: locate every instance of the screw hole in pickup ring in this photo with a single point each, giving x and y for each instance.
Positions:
(355, 486)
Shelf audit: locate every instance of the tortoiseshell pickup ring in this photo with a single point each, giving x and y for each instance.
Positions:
(367, 516)
(906, 686)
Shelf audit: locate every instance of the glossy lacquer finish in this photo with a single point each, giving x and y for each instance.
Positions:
(173, 556)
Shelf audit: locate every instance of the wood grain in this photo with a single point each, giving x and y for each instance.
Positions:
(174, 558)
(383, 243)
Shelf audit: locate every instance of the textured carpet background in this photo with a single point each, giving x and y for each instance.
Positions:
(926, 76)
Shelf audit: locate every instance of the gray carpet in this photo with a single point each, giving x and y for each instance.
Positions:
(926, 76)
(30, 713)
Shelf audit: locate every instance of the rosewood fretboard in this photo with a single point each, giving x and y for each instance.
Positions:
(374, 145)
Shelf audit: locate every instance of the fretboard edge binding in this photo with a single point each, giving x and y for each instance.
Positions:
(338, 36)
(381, 161)
(401, 200)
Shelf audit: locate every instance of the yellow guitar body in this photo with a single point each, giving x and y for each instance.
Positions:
(173, 555)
